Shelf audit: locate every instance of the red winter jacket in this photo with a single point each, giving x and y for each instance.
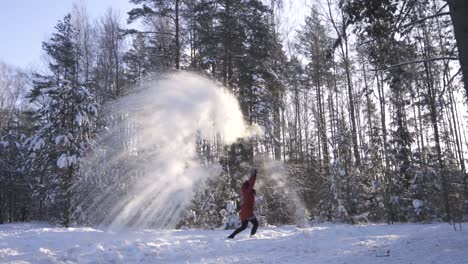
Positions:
(248, 199)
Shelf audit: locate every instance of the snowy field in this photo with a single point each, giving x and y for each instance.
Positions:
(325, 243)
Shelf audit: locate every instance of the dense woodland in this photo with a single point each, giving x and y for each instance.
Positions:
(364, 103)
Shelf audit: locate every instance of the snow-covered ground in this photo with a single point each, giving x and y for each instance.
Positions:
(325, 243)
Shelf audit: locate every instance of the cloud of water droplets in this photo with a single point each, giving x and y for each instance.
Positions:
(144, 171)
(277, 173)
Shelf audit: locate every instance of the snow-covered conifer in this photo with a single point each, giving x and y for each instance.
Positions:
(65, 114)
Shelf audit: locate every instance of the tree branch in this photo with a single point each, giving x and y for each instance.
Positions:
(412, 23)
(423, 19)
(134, 31)
(416, 61)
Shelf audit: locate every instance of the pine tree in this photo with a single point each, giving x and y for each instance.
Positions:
(165, 20)
(136, 59)
(314, 45)
(65, 117)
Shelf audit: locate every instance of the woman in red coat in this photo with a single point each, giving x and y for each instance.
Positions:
(247, 208)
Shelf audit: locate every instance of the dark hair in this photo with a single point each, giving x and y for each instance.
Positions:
(245, 184)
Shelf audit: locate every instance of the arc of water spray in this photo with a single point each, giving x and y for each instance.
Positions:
(154, 172)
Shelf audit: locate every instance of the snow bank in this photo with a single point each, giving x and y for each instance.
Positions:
(406, 243)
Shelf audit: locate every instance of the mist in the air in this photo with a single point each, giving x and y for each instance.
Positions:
(144, 170)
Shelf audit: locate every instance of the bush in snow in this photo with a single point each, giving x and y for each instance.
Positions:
(230, 218)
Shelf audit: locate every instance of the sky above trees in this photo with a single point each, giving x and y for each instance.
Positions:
(26, 23)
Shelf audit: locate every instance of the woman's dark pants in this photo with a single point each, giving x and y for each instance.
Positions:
(244, 226)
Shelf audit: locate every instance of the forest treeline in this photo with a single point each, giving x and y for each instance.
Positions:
(365, 105)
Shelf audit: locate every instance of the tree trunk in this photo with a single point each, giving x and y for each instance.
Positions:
(387, 179)
(368, 100)
(277, 127)
(323, 127)
(344, 51)
(306, 133)
(433, 113)
(2, 220)
(177, 38)
(10, 205)
(458, 12)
